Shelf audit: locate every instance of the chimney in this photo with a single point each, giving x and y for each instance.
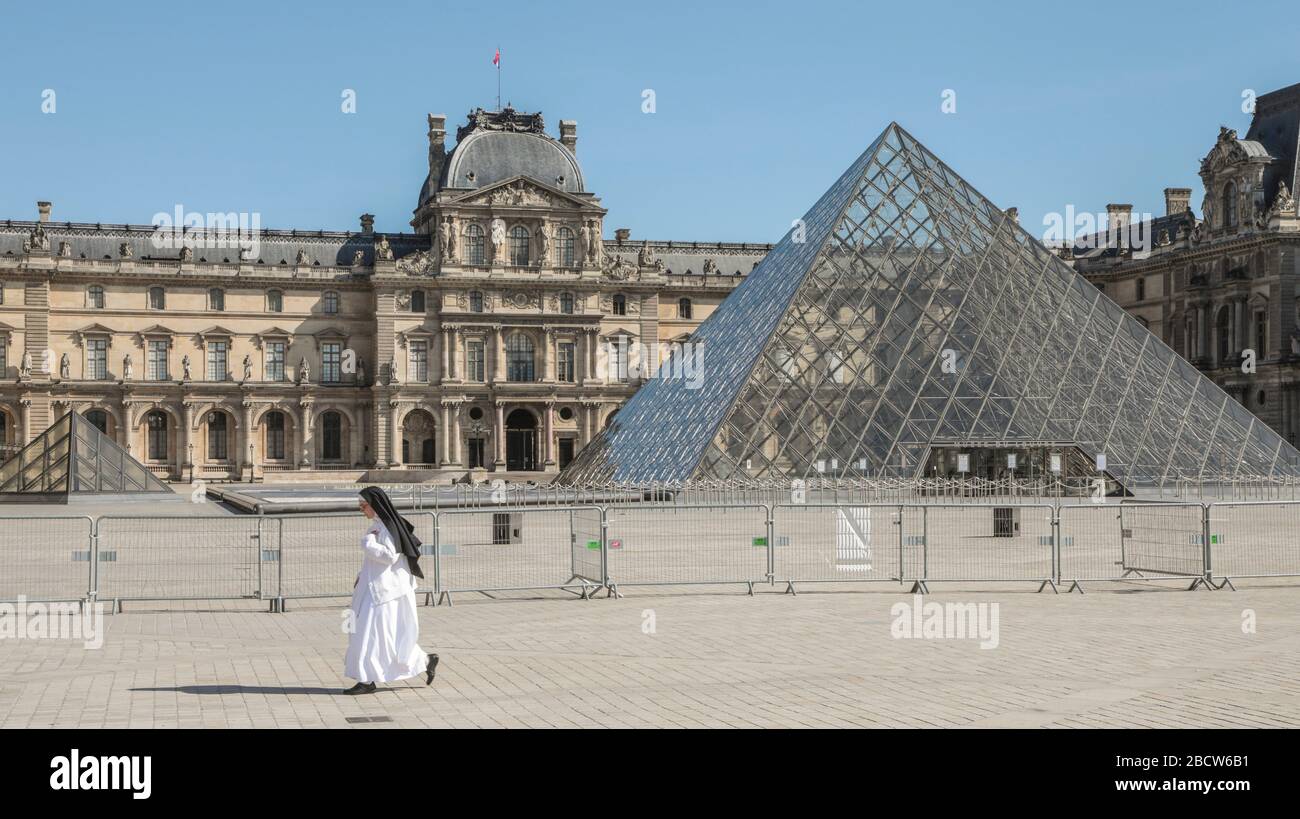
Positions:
(44, 209)
(1177, 200)
(437, 144)
(569, 134)
(1118, 216)
(367, 224)
(621, 235)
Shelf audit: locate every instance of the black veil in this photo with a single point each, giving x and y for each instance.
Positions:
(402, 530)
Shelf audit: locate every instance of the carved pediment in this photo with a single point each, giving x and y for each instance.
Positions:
(157, 330)
(521, 192)
(420, 262)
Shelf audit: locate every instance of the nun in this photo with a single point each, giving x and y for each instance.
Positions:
(384, 643)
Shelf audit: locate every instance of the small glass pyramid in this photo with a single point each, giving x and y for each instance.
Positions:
(73, 457)
(904, 317)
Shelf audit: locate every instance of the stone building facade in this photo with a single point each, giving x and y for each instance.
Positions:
(1221, 289)
(499, 335)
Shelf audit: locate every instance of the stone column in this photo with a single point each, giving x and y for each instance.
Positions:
(1202, 332)
(25, 408)
(444, 371)
(246, 457)
(444, 435)
(457, 458)
(591, 337)
(548, 354)
(499, 436)
(549, 431)
(456, 354)
(584, 423)
(394, 437)
(498, 353)
(308, 434)
(183, 457)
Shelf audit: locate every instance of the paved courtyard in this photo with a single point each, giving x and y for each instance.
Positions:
(1124, 655)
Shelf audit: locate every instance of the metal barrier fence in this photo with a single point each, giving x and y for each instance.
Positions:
(582, 549)
(46, 559)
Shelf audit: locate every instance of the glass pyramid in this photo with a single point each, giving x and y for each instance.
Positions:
(908, 314)
(73, 457)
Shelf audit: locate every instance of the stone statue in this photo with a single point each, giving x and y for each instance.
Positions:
(126, 251)
(302, 257)
(543, 243)
(25, 369)
(382, 250)
(646, 257)
(361, 371)
(499, 241)
(65, 250)
(451, 239)
(248, 368)
(359, 258)
(444, 239)
(38, 239)
(185, 368)
(187, 253)
(392, 371)
(1284, 204)
(710, 269)
(584, 244)
(65, 367)
(597, 246)
(304, 372)
(128, 368)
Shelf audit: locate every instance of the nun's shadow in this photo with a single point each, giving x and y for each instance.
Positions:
(245, 689)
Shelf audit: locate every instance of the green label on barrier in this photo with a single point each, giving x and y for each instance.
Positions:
(760, 541)
(593, 544)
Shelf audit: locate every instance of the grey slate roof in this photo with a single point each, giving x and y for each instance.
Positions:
(1276, 126)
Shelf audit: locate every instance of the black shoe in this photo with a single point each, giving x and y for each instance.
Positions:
(430, 669)
(361, 688)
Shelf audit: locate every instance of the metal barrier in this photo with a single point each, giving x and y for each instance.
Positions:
(213, 558)
(825, 543)
(692, 545)
(993, 544)
(1253, 540)
(318, 556)
(496, 550)
(1109, 542)
(46, 559)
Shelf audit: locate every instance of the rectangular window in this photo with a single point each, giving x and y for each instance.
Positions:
(275, 361)
(156, 366)
(417, 365)
(217, 369)
(97, 358)
(474, 361)
(618, 349)
(4, 359)
(331, 355)
(564, 361)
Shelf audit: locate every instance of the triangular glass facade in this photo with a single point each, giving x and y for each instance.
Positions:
(908, 315)
(74, 457)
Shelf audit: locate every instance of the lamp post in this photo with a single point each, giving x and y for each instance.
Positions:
(190, 458)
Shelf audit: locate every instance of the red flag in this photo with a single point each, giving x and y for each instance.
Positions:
(496, 58)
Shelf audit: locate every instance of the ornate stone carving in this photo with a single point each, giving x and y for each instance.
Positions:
(185, 368)
(65, 367)
(507, 119)
(543, 243)
(1284, 204)
(710, 268)
(126, 251)
(383, 252)
(645, 257)
(128, 368)
(37, 240)
(498, 237)
(248, 368)
(403, 300)
(417, 263)
(518, 194)
(359, 258)
(619, 269)
(65, 250)
(187, 253)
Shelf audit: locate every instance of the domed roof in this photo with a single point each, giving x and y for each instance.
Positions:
(485, 157)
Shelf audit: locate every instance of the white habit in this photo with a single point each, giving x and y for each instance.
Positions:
(385, 643)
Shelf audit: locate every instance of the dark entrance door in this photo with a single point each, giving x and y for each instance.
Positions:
(521, 441)
(566, 451)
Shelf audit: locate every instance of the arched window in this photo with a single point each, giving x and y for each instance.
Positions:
(274, 436)
(519, 358)
(216, 299)
(156, 425)
(1229, 205)
(95, 297)
(620, 305)
(476, 301)
(566, 303)
(157, 298)
(564, 247)
(218, 437)
(98, 419)
(474, 253)
(684, 308)
(274, 301)
(331, 436)
(330, 302)
(417, 301)
(519, 246)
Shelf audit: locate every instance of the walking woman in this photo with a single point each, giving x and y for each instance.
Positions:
(384, 644)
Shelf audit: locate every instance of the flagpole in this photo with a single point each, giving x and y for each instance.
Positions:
(498, 78)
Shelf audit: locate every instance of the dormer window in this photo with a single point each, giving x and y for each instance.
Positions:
(1229, 205)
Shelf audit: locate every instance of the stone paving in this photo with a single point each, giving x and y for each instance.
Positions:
(1130, 654)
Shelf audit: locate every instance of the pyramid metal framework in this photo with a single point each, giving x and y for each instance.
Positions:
(73, 457)
(907, 312)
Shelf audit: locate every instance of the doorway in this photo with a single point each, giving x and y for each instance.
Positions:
(521, 441)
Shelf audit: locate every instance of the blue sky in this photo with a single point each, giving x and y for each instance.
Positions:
(760, 106)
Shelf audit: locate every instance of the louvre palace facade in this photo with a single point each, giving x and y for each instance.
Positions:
(1216, 286)
(499, 334)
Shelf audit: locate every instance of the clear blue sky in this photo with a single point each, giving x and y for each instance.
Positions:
(236, 106)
